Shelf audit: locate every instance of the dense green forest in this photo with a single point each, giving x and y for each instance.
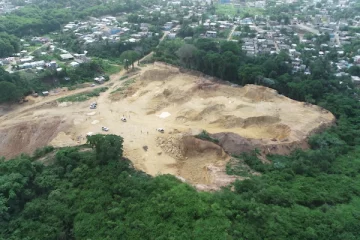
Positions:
(9, 44)
(13, 86)
(92, 192)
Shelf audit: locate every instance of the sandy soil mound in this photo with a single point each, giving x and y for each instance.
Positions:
(28, 136)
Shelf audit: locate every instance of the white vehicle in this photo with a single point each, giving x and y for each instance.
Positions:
(123, 119)
(160, 130)
(105, 129)
(93, 105)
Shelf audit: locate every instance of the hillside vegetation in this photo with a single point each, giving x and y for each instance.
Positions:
(92, 192)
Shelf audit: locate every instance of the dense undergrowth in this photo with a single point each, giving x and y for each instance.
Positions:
(94, 193)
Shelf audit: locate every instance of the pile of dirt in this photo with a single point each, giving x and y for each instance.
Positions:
(124, 91)
(193, 157)
(235, 144)
(231, 121)
(26, 137)
(157, 74)
(208, 114)
(183, 146)
(194, 147)
(171, 146)
(217, 178)
(62, 139)
(259, 93)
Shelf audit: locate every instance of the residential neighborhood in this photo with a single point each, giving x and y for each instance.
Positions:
(310, 32)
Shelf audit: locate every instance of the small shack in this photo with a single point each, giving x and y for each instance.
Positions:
(66, 56)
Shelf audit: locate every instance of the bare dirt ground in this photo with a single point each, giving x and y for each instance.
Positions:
(159, 96)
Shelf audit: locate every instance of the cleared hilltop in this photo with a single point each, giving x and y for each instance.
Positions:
(160, 96)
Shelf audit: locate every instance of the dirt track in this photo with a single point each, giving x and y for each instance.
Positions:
(183, 105)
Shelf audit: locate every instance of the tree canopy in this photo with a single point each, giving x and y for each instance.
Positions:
(129, 57)
(93, 192)
(9, 44)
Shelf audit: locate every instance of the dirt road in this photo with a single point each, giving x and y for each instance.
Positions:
(231, 32)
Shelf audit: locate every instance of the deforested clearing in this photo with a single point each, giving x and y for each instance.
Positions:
(183, 105)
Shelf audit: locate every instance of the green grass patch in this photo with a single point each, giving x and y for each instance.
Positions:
(247, 162)
(124, 77)
(32, 48)
(251, 11)
(111, 69)
(128, 82)
(225, 9)
(204, 135)
(230, 10)
(120, 89)
(81, 97)
(78, 86)
(124, 86)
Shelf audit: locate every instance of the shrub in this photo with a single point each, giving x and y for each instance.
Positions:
(40, 152)
(205, 136)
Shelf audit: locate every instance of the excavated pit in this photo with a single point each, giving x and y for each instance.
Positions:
(160, 96)
(241, 118)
